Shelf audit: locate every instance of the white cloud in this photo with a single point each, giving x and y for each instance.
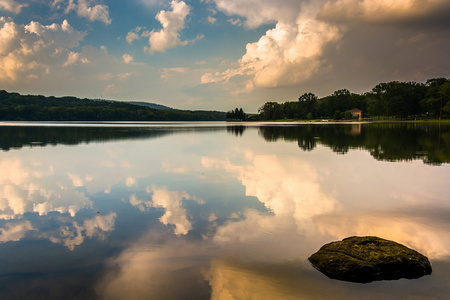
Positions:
(33, 47)
(11, 6)
(313, 40)
(130, 181)
(136, 34)
(132, 36)
(58, 36)
(287, 54)
(75, 58)
(172, 22)
(127, 58)
(212, 20)
(98, 12)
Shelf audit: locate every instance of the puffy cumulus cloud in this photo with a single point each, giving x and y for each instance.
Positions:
(172, 22)
(136, 34)
(286, 55)
(15, 232)
(58, 36)
(11, 6)
(75, 58)
(333, 43)
(127, 58)
(425, 232)
(30, 50)
(384, 11)
(97, 12)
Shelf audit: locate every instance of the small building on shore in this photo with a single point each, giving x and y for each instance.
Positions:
(356, 113)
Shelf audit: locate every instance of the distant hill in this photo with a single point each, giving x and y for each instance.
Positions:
(140, 103)
(16, 107)
(151, 105)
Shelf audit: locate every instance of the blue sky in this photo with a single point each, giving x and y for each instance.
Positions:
(218, 54)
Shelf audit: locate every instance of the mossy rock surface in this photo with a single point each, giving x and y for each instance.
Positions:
(369, 258)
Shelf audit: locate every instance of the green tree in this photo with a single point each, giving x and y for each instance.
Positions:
(307, 105)
(270, 111)
(437, 96)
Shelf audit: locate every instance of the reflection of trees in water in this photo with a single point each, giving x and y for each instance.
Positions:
(237, 130)
(390, 142)
(39, 136)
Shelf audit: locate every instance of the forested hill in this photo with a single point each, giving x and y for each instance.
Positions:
(16, 107)
(151, 105)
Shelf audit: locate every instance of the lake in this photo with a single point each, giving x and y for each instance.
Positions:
(215, 210)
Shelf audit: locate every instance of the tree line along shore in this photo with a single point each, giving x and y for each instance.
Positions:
(392, 100)
(16, 107)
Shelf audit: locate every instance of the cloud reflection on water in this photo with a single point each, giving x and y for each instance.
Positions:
(219, 217)
(29, 186)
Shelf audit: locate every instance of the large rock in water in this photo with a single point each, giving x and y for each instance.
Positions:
(365, 259)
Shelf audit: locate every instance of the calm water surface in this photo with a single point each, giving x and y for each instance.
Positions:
(215, 210)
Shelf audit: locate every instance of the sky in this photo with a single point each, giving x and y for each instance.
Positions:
(218, 54)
